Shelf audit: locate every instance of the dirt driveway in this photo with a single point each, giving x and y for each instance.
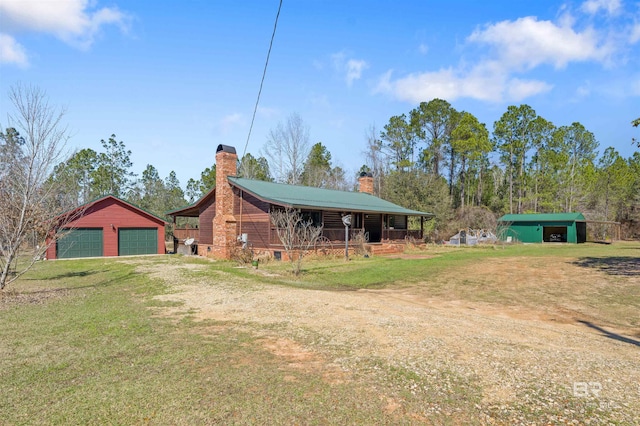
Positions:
(522, 358)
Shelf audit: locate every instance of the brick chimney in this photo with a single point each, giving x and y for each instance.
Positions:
(366, 182)
(224, 223)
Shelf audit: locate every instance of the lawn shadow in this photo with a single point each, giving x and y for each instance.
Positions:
(67, 275)
(624, 266)
(611, 335)
(102, 283)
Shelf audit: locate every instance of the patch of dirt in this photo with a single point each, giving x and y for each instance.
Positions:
(409, 256)
(299, 358)
(10, 298)
(517, 353)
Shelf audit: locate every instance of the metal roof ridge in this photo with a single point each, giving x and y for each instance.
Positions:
(291, 200)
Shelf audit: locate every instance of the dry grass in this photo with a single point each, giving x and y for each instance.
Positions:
(517, 335)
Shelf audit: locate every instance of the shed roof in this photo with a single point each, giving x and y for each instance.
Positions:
(319, 198)
(543, 217)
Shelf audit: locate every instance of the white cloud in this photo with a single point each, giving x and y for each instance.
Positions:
(612, 7)
(516, 48)
(351, 68)
(518, 90)
(338, 59)
(526, 43)
(11, 52)
(354, 69)
(229, 122)
(268, 112)
(484, 82)
(634, 37)
(584, 90)
(635, 87)
(423, 48)
(69, 20)
(320, 100)
(445, 84)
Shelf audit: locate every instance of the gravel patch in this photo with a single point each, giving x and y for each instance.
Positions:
(527, 369)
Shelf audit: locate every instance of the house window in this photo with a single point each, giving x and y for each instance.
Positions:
(396, 222)
(314, 217)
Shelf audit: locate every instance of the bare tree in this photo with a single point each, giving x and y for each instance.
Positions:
(297, 234)
(287, 148)
(29, 150)
(375, 158)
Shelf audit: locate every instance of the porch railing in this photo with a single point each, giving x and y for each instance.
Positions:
(401, 234)
(336, 235)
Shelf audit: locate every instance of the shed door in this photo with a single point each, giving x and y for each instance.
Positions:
(554, 234)
(137, 241)
(80, 242)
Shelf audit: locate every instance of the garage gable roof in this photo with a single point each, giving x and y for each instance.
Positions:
(543, 217)
(119, 200)
(297, 196)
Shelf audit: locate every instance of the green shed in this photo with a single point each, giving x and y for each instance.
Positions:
(544, 227)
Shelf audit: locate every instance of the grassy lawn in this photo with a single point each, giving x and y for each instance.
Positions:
(79, 343)
(86, 350)
(488, 275)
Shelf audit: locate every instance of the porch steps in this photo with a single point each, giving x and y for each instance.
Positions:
(386, 248)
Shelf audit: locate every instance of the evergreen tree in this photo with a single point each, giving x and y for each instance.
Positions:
(254, 168)
(113, 172)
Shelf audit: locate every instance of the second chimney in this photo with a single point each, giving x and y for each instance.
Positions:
(366, 182)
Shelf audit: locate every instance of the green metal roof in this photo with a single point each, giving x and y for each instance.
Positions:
(543, 217)
(319, 198)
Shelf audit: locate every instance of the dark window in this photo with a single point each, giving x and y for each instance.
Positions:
(314, 217)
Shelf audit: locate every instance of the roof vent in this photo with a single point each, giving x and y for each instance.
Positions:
(226, 148)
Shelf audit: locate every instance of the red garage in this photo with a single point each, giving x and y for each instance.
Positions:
(109, 226)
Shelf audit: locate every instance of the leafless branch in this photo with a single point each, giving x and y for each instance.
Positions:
(32, 145)
(297, 235)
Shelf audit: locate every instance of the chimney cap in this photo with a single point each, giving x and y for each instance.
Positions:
(226, 148)
(366, 174)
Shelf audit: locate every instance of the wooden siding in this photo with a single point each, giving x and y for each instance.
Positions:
(185, 233)
(207, 213)
(252, 217)
(332, 220)
(110, 214)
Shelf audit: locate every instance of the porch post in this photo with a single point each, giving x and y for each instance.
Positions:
(346, 221)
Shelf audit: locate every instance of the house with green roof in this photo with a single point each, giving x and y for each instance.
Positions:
(237, 211)
(544, 228)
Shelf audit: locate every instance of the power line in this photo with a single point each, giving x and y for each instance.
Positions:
(264, 73)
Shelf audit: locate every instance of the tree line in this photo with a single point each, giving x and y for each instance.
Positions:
(445, 161)
(433, 158)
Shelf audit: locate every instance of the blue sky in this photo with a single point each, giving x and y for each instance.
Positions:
(175, 79)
